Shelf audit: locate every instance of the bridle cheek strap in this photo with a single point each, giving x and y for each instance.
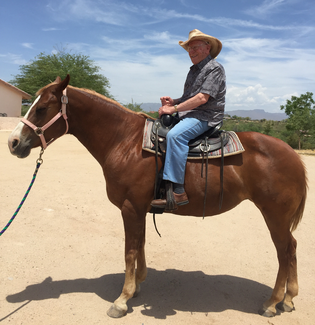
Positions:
(39, 131)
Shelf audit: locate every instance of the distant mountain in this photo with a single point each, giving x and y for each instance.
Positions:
(148, 107)
(255, 114)
(258, 114)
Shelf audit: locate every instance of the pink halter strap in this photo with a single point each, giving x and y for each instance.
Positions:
(39, 131)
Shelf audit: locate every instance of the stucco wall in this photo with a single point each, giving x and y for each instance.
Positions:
(10, 101)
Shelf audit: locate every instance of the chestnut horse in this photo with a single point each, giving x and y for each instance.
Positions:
(269, 173)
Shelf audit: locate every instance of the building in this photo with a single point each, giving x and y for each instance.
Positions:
(11, 99)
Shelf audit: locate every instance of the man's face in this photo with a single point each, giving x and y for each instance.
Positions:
(198, 51)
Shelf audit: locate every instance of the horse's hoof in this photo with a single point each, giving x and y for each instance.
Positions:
(284, 307)
(266, 313)
(116, 312)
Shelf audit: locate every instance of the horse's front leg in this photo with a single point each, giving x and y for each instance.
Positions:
(141, 272)
(134, 224)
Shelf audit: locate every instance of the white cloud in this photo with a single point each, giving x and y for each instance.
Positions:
(146, 82)
(52, 29)
(13, 58)
(126, 14)
(268, 7)
(264, 73)
(164, 14)
(253, 97)
(261, 73)
(28, 45)
(162, 37)
(110, 12)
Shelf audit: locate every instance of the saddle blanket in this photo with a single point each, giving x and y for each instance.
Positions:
(233, 147)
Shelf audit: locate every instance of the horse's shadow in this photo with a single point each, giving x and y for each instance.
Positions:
(163, 293)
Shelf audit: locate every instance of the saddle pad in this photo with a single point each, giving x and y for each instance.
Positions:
(233, 147)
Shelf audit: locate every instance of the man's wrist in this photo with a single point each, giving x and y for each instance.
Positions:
(175, 107)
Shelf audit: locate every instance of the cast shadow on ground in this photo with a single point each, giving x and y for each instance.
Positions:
(163, 292)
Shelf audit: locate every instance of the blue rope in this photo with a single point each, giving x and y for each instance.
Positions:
(39, 162)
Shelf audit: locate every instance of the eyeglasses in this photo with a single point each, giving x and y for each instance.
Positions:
(194, 48)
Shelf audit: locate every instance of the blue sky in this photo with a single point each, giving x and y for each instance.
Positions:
(268, 45)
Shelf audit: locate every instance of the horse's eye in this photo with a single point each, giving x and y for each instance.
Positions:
(40, 109)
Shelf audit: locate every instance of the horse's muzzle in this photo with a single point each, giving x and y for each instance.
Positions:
(19, 148)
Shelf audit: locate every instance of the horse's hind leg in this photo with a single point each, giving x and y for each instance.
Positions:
(287, 273)
(292, 284)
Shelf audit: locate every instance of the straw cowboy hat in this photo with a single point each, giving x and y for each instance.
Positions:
(196, 35)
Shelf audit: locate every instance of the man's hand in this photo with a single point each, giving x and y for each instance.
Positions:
(193, 102)
(166, 109)
(167, 101)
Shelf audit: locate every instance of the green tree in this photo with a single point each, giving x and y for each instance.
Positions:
(46, 67)
(301, 114)
(134, 106)
(267, 127)
(137, 108)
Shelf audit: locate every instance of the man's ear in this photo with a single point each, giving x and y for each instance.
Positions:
(209, 47)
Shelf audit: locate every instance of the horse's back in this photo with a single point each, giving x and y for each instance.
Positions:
(271, 153)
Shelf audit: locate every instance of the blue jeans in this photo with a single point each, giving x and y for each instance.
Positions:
(177, 147)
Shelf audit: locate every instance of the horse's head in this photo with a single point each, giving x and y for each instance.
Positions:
(41, 124)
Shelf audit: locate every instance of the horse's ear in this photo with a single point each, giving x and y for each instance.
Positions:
(64, 83)
(58, 79)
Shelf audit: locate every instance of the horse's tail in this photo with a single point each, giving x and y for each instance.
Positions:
(297, 217)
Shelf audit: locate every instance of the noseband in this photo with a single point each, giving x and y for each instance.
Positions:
(39, 131)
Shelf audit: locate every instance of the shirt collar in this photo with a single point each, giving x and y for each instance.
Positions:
(201, 64)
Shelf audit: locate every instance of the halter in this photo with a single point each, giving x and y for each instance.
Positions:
(39, 131)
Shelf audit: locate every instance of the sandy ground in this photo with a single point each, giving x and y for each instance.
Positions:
(62, 258)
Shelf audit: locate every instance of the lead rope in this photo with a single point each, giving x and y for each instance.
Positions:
(156, 172)
(221, 173)
(206, 186)
(39, 161)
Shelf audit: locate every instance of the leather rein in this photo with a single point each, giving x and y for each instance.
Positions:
(39, 131)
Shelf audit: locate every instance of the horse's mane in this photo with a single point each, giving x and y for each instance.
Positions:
(92, 92)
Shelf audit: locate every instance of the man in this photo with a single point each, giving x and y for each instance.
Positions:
(200, 108)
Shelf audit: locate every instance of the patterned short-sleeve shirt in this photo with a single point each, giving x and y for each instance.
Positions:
(207, 77)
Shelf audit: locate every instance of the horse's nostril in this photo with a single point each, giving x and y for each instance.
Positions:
(15, 143)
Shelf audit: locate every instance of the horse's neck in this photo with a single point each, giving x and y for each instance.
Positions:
(100, 125)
